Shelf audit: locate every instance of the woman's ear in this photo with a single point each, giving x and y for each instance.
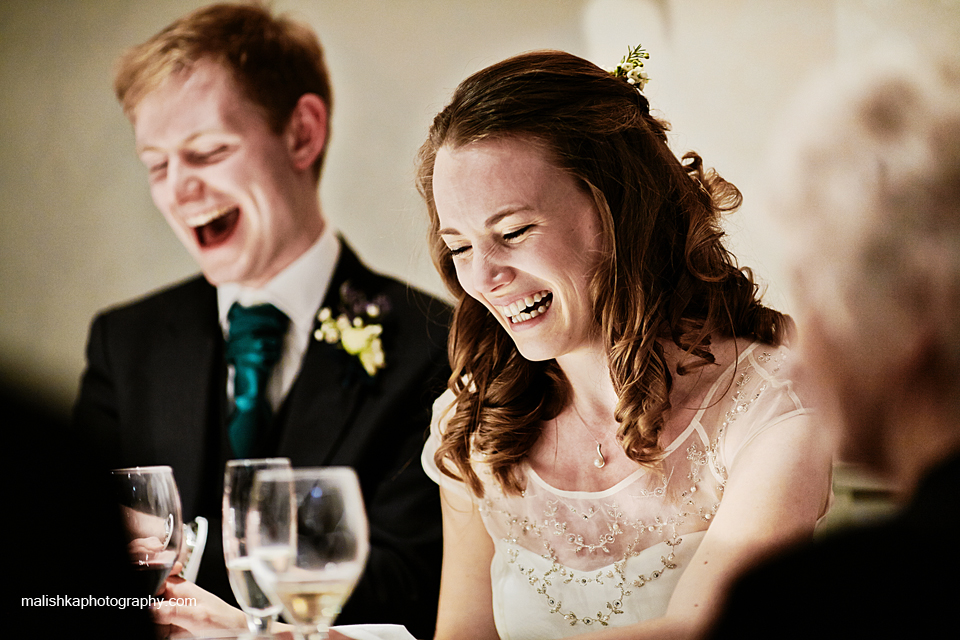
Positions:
(306, 131)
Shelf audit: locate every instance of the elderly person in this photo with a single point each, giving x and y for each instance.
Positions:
(871, 202)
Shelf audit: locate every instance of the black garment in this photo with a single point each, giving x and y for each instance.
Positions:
(898, 579)
(69, 570)
(154, 392)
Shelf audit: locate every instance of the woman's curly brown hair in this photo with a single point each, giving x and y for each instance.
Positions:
(664, 273)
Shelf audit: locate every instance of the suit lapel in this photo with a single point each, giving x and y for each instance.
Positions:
(191, 343)
(321, 405)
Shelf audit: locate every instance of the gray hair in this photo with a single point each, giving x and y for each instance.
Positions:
(869, 200)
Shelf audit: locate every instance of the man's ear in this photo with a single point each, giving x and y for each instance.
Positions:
(306, 132)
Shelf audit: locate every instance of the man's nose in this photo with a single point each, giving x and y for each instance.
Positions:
(184, 181)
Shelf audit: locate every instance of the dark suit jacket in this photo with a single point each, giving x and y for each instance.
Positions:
(154, 392)
(896, 579)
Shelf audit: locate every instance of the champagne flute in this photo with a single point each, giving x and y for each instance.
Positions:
(150, 503)
(237, 483)
(309, 538)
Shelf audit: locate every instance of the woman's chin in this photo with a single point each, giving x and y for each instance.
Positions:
(536, 350)
(534, 355)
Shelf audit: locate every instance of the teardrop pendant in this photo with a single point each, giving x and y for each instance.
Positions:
(599, 462)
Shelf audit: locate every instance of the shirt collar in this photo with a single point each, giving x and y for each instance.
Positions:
(298, 290)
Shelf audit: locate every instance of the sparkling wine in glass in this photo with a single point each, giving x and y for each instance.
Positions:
(150, 503)
(309, 539)
(237, 483)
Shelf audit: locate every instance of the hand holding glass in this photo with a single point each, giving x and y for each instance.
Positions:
(237, 484)
(150, 504)
(308, 535)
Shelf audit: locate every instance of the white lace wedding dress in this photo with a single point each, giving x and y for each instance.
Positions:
(567, 562)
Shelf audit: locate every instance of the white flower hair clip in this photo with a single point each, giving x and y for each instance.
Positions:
(631, 67)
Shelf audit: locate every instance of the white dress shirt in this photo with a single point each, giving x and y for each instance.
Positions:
(298, 291)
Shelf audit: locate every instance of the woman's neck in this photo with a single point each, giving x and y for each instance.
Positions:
(591, 389)
(565, 455)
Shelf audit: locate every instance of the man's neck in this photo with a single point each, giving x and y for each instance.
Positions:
(298, 289)
(924, 435)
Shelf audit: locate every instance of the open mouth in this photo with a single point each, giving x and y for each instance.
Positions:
(215, 227)
(527, 308)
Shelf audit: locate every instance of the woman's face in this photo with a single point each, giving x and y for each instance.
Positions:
(525, 240)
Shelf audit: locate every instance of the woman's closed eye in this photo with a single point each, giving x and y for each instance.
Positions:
(517, 233)
(458, 251)
(509, 236)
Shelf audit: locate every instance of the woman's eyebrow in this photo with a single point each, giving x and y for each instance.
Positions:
(490, 222)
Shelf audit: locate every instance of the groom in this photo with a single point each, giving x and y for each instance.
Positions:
(230, 109)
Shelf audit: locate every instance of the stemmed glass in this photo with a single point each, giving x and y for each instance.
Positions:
(150, 503)
(308, 535)
(237, 483)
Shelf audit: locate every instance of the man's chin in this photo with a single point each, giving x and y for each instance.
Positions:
(219, 274)
(233, 274)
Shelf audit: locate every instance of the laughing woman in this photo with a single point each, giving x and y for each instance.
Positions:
(619, 439)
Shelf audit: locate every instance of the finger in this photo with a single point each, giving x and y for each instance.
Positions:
(172, 617)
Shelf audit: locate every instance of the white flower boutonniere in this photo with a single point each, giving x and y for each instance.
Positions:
(356, 329)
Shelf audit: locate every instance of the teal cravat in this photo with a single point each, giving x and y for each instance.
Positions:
(253, 348)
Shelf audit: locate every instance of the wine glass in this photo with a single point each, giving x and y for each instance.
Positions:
(237, 483)
(150, 504)
(309, 538)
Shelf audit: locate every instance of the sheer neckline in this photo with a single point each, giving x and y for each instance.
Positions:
(708, 400)
(693, 425)
(567, 493)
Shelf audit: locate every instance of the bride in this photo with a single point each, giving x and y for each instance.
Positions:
(620, 437)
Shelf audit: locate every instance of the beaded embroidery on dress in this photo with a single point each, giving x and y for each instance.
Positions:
(568, 561)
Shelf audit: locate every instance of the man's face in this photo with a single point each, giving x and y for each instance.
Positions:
(847, 387)
(225, 182)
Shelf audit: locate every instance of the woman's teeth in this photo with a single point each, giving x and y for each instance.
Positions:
(527, 308)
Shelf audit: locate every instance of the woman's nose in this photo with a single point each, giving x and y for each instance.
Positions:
(490, 270)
